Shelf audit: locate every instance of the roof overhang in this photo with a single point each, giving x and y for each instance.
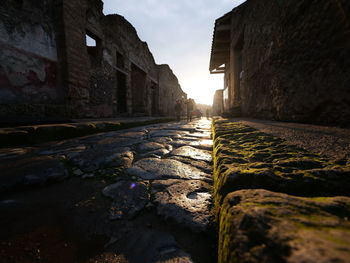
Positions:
(220, 49)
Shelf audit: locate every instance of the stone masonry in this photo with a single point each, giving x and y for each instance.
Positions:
(285, 60)
(49, 69)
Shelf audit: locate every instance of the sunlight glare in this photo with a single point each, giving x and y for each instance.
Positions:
(202, 88)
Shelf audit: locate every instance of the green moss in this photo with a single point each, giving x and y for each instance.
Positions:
(246, 158)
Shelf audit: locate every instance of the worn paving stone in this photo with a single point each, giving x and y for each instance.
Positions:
(201, 165)
(262, 226)
(67, 150)
(186, 202)
(94, 159)
(103, 154)
(179, 143)
(201, 135)
(132, 134)
(152, 168)
(168, 133)
(9, 153)
(30, 172)
(117, 142)
(162, 139)
(187, 139)
(149, 147)
(200, 144)
(129, 198)
(193, 153)
(149, 245)
(157, 153)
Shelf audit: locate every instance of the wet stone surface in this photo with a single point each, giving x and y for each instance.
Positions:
(185, 202)
(193, 153)
(128, 198)
(32, 171)
(153, 168)
(150, 191)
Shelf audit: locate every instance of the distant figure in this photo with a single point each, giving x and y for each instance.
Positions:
(207, 113)
(178, 110)
(189, 106)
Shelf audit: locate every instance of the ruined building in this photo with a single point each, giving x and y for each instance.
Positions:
(48, 69)
(218, 103)
(285, 60)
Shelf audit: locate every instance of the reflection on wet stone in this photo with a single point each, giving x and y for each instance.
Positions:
(185, 202)
(152, 168)
(193, 153)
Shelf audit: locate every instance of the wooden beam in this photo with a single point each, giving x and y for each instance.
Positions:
(217, 72)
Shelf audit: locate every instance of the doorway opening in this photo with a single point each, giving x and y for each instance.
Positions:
(138, 87)
(155, 99)
(121, 106)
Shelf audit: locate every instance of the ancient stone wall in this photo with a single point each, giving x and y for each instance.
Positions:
(69, 57)
(294, 60)
(79, 19)
(218, 106)
(29, 79)
(134, 62)
(170, 90)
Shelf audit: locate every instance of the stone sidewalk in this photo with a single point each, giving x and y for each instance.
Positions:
(151, 198)
(275, 201)
(331, 142)
(34, 134)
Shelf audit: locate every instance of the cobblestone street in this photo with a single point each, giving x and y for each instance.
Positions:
(137, 195)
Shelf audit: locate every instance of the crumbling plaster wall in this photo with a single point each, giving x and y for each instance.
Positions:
(29, 83)
(295, 60)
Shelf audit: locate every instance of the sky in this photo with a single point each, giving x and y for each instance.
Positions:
(179, 33)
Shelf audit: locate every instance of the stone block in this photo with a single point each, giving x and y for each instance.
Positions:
(262, 226)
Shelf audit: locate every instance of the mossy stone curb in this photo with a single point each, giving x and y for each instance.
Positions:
(245, 158)
(258, 181)
(262, 226)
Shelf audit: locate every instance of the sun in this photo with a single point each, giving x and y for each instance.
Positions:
(202, 87)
